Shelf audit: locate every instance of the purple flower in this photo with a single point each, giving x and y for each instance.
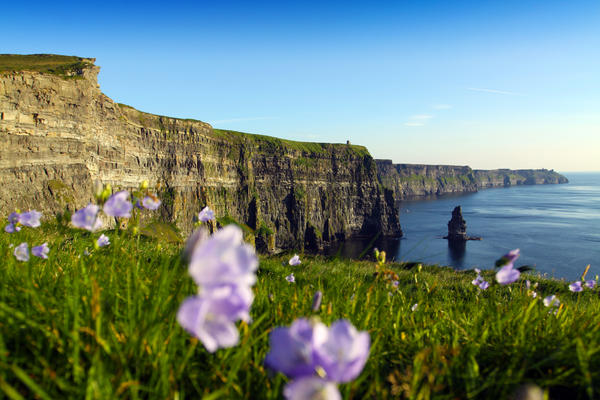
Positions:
(507, 274)
(512, 256)
(590, 284)
(30, 218)
(311, 388)
(292, 350)
(551, 301)
(102, 241)
(224, 268)
(118, 205)
(316, 305)
(22, 252)
(206, 215)
(480, 283)
(151, 202)
(344, 353)
(290, 278)
(575, 287)
(197, 237)
(395, 283)
(87, 218)
(223, 258)
(12, 228)
(295, 260)
(41, 251)
(209, 319)
(478, 271)
(13, 218)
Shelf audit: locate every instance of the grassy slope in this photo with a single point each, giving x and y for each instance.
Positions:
(103, 326)
(64, 66)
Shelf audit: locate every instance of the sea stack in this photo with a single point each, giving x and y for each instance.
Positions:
(457, 227)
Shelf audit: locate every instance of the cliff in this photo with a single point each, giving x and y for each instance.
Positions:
(59, 133)
(417, 180)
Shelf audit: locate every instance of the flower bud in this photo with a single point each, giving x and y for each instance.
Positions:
(106, 192)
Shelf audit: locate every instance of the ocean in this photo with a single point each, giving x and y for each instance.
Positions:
(557, 228)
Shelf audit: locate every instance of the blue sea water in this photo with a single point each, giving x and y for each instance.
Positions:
(557, 228)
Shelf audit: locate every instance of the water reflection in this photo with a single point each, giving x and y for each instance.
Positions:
(362, 249)
(456, 252)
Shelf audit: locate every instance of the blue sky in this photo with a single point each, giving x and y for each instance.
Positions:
(511, 84)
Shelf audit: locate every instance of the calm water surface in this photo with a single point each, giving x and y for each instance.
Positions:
(557, 228)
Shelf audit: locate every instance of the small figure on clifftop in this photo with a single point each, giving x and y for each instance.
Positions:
(457, 227)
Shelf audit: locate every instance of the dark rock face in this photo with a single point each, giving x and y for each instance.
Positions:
(457, 226)
(59, 135)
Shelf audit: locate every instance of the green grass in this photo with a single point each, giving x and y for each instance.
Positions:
(274, 144)
(63, 66)
(103, 326)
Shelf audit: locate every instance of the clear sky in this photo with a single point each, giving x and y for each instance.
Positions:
(512, 84)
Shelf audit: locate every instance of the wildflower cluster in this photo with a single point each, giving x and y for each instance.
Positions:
(531, 292)
(509, 274)
(117, 205)
(223, 267)
(316, 357)
(479, 281)
(579, 285)
(16, 220)
(294, 261)
(552, 302)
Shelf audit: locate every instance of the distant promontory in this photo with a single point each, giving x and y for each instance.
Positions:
(419, 180)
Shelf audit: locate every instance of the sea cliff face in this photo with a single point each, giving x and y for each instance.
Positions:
(58, 134)
(418, 180)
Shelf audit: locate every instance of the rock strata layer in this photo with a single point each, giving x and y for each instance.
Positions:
(58, 134)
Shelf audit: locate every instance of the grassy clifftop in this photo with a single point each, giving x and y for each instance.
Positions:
(63, 66)
(311, 147)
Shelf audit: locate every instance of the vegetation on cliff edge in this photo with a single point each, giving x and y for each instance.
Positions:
(63, 66)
